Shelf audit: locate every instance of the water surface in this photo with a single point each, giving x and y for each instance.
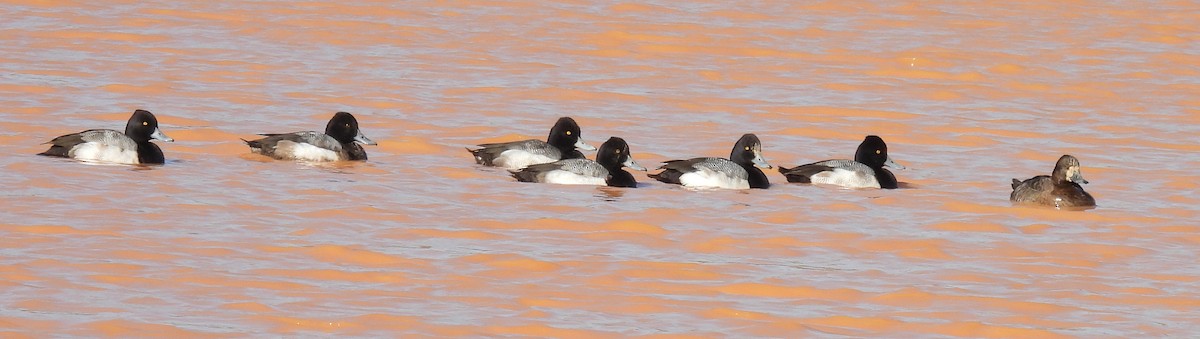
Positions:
(420, 242)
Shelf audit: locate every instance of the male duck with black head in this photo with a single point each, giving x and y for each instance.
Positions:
(1060, 189)
(865, 171)
(341, 141)
(561, 144)
(740, 171)
(106, 145)
(606, 170)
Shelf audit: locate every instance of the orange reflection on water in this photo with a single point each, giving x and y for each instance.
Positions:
(421, 242)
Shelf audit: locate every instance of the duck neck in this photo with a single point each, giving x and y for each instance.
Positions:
(609, 163)
(755, 176)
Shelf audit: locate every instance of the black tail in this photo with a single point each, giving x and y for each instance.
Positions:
(524, 175)
(669, 176)
(803, 174)
(481, 157)
(256, 146)
(56, 151)
(62, 145)
(794, 177)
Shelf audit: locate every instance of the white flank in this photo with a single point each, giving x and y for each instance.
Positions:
(517, 159)
(571, 178)
(93, 151)
(845, 178)
(705, 178)
(304, 151)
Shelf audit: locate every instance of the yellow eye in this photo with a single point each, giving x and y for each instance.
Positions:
(618, 151)
(568, 132)
(145, 123)
(747, 148)
(877, 151)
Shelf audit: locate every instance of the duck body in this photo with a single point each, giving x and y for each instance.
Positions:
(111, 146)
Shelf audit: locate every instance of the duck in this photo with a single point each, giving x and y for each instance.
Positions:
(865, 171)
(1060, 189)
(739, 171)
(340, 142)
(563, 142)
(110, 146)
(605, 170)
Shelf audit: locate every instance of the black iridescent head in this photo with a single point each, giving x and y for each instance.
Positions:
(143, 126)
(565, 136)
(614, 153)
(748, 151)
(344, 128)
(873, 152)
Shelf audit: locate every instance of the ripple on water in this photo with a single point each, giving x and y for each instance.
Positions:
(419, 241)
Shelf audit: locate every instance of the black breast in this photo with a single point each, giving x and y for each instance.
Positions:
(354, 151)
(886, 178)
(149, 153)
(757, 178)
(621, 178)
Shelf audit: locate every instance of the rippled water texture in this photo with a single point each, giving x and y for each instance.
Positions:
(421, 242)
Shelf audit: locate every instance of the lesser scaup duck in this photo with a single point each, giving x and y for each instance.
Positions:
(865, 171)
(106, 145)
(1059, 189)
(561, 144)
(606, 170)
(339, 142)
(737, 172)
